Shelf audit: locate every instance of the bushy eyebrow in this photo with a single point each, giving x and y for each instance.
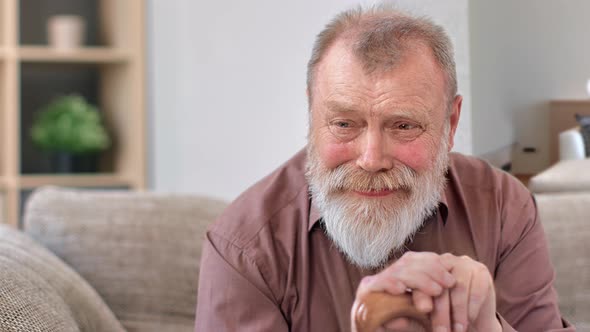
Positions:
(348, 107)
(340, 106)
(418, 114)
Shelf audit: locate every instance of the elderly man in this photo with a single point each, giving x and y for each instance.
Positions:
(377, 203)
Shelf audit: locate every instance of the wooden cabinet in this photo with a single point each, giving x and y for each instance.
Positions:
(108, 71)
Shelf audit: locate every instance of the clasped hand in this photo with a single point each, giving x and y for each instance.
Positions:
(457, 292)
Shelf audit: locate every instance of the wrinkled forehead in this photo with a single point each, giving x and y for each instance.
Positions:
(415, 69)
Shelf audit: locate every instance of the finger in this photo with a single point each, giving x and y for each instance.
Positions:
(422, 302)
(448, 260)
(441, 314)
(479, 291)
(431, 264)
(397, 281)
(380, 283)
(460, 297)
(421, 271)
(401, 324)
(418, 280)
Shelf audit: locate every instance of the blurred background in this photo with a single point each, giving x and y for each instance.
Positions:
(207, 97)
(227, 82)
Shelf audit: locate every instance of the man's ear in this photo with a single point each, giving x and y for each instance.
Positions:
(454, 119)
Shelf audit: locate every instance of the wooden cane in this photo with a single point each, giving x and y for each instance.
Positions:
(375, 309)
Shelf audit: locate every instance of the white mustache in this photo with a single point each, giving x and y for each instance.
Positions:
(346, 177)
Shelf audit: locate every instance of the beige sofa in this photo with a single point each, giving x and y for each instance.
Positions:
(116, 261)
(571, 173)
(566, 219)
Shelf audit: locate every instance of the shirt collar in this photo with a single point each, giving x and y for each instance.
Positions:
(315, 215)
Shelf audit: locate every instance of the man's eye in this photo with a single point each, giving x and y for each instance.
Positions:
(342, 124)
(406, 126)
(344, 129)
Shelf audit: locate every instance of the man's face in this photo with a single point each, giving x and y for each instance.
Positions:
(378, 149)
(375, 120)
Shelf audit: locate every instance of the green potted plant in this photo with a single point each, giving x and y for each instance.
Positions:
(72, 131)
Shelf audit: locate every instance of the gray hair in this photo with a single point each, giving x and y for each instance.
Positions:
(379, 36)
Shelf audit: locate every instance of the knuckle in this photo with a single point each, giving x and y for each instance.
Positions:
(429, 255)
(366, 280)
(435, 288)
(449, 258)
(447, 255)
(481, 268)
(396, 287)
(462, 285)
(409, 255)
(364, 285)
(400, 263)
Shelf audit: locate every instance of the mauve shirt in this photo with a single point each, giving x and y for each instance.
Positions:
(267, 264)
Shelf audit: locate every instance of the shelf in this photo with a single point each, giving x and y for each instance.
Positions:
(69, 180)
(108, 70)
(82, 55)
(4, 53)
(6, 183)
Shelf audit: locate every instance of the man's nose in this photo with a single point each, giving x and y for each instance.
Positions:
(373, 154)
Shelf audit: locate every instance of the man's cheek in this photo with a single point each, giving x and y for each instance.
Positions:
(334, 155)
(416, 156)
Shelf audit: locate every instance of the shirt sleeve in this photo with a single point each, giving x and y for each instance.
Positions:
(232, 293)
(524, 275)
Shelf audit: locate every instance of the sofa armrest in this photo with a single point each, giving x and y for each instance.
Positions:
(571, 145)
(38, 292)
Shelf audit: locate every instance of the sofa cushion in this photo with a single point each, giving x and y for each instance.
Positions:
(140, 251)
(584, 122)
(38, 292)
(566, 176)
(566, 220)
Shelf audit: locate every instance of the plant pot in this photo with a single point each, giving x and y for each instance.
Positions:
(65, 163)
(66, 32)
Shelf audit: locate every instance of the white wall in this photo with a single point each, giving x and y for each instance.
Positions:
(227, 82)
(492, 115)
(525, 53)
(453, 16)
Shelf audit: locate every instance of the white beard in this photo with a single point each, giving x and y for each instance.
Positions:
(369, 230)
